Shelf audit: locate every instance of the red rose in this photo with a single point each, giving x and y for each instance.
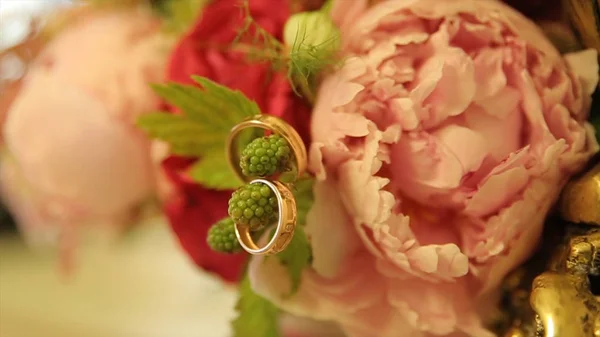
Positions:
(203, 52)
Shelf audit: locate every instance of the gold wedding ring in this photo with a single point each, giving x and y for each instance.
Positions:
(277, 126)
(286, 203)
(286, 222)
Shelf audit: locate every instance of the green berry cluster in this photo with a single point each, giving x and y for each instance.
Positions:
(265, 156)
(254, 205)
(221, 237)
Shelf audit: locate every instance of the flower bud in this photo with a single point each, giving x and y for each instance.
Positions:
(310, 33)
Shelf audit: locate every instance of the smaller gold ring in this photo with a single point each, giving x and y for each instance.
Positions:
(275, 125)
(286, 222)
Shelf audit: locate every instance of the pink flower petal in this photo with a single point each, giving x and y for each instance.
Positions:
(489, 74)
(427, 162)
(446, 83)
(332, 240)
(497, 191)
(468, 146)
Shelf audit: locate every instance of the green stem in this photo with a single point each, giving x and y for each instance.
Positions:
(306, 90)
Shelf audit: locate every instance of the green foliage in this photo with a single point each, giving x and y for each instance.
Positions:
(213, 171)
(184, 137)
(201, 130)
(303, 192)
(256, 315)
(311, 44)
(179, 15)
(296, 256)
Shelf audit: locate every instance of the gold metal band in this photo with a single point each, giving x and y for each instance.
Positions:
(277, 126)
(286, 222)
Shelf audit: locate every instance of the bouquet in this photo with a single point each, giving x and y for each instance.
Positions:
(355, 168)
(390, 161)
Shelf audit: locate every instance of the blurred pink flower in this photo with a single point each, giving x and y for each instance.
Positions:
(439, 148)
(73, 154)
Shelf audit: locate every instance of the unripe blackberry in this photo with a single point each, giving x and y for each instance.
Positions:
(221, 237)
(254, 205)
(265, 156)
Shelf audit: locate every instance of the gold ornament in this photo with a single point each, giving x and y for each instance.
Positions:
(581, 198)
(276, 126)
(286, 222)
(562, 297)
(561, 301)
(286, 203)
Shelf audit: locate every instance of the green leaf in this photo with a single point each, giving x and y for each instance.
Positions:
(296, 257)
(213, 171)
(215, 106)
(303, 192)
(185, 137)
(208, 114)
(256, 315)
(228, 98)
(180, 15)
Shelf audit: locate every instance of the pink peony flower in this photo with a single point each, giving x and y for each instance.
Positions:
(439, 147)
(73, 154)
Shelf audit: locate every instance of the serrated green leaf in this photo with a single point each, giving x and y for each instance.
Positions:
(213, 171)
(223, 94)
(296, 257)
(303, 192)
(208, 114)
(184, 137)
(215, 105)
(256, 315)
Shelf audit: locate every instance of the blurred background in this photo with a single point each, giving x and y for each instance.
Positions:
(127, 275)
(140, 285)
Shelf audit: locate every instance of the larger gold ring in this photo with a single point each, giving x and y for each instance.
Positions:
(286, 222)
(277, 126)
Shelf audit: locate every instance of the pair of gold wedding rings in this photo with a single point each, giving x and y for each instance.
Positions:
(287, 215)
